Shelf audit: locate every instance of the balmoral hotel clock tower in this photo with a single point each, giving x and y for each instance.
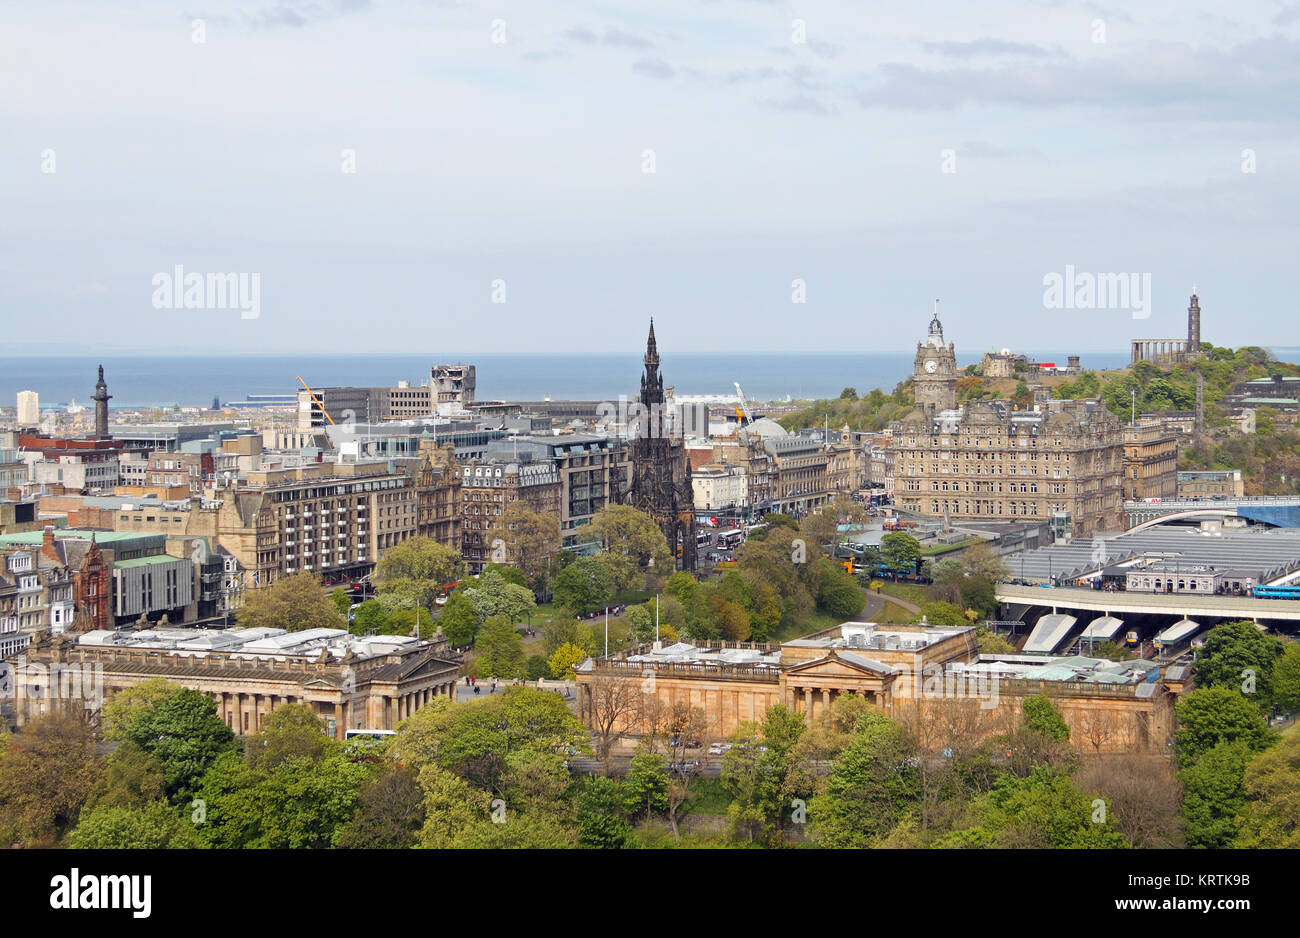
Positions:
(935, 372)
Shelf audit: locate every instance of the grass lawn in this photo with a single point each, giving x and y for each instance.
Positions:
(707, 797)
(893, 614)
(948, 548)
(911, 592)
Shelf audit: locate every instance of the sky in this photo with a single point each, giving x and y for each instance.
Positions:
(545, 175)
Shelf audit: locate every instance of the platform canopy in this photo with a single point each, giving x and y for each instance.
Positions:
(1103, 627)
(1049, 633)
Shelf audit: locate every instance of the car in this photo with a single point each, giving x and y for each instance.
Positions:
(718, 749)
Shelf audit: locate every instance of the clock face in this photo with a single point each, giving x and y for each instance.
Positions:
(932, 366)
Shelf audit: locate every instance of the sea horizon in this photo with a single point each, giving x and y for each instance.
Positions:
(150, 380)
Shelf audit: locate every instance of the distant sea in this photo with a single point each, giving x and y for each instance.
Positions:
(155, 380)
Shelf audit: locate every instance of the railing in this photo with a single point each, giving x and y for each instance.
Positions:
(767, 674)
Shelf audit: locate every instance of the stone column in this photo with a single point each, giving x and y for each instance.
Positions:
(340, 719)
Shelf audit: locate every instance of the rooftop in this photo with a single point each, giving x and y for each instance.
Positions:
(254, 643)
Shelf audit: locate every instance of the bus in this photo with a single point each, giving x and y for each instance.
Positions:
(1277, 592)
(369, 734)
(730, 539)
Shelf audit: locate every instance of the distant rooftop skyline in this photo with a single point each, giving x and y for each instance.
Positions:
(386, 170)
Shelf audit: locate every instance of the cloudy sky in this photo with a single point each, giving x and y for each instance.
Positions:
(941, 149)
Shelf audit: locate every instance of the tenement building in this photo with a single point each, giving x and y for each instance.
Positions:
(1150, 461)
(350, 682)
(929, 678)
(661, 471)
(987, 461)
(491, 486)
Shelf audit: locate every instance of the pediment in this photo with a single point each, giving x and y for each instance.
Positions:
(846, 664)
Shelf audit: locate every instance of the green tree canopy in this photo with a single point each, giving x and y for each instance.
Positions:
(631, 540)
(584, 586)
(183, 732)
(417, 569)
(292, 603)
(1209, 716)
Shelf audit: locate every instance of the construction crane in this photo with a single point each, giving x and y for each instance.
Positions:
(319, 402)
(747, 415)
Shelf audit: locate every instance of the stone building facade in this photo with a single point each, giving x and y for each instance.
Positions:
(1150, 462)
(488, 488)
(350, 682)
(989, 462)
(437, 494)
(930, 679)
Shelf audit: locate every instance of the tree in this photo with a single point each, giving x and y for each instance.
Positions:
(451, 805)
(120, 709)
(292, 603)
(132, 778)
(532, 539)
(417, 569)
(290, 732)
(732, 620)
(1043, 809)
(615, 703)
(369, 619)
(584, 586)
(601, 821)
(631, 540)
(538, 783)
(566, 658)
(1144, 794)
(458, 621)
(1209, 716)
(46, 774)
(941, 614)
(390, 813)
(341, 599)
(645, 788)
(182, 731)
(901, 552)
(491, 594)
(499, 649)
(299, 803)
(1269, 816)
(1041, 717)
(839, 593)
(1214, 793)
(983, 562)
(641, 622)
(686, 724)
(474, 739)
(564, 630)
(1286, 679)
(875, 781)
(1233, 653)
(157, 826)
